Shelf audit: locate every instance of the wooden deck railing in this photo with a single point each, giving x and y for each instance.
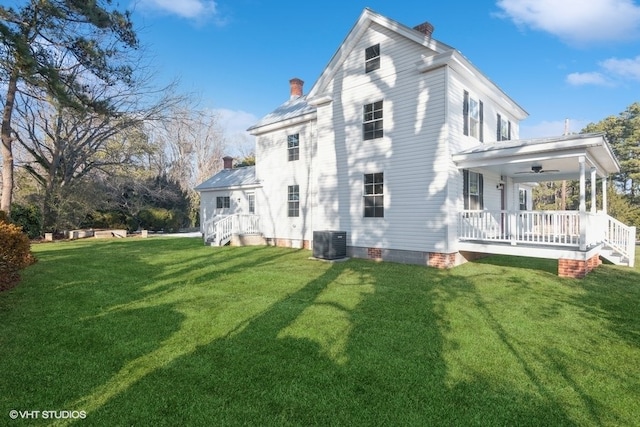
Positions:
(556, 228)
(219, 230)
(621, 238)
(549, 228)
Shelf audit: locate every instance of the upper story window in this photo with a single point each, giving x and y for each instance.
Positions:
(293, 200)
(293, 147)
(372, 121)
(372, 58)
(223, 202)
(374, 195)
(504, 129)
(473, 184)
(473, 117)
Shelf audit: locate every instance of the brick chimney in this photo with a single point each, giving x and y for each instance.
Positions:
(425, 28)
(296, 88)
(228, 162)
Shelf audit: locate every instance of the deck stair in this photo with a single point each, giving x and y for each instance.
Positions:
(220, 230)
(619, 243)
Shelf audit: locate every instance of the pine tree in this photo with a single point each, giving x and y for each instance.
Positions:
(35, 36)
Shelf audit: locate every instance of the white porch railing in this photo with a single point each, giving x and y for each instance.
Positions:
(621, 238)
(560, 228)
(219, 230)
(549, 228)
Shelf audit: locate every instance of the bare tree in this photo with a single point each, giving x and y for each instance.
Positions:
(190, 144)
(36, 36)
(64, 145)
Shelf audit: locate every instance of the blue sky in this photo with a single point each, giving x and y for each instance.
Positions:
(573, 59)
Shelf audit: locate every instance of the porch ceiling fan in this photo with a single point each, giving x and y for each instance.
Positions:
(538, 169)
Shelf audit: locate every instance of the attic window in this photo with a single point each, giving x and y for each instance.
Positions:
(372, 58)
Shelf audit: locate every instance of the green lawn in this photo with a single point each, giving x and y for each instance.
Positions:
(170, 332)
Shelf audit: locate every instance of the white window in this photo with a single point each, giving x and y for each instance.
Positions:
(473, 190)
(372, 58)
(372, 121)
(293, 200)
(374, 195)
(504, 129)
(472, 110)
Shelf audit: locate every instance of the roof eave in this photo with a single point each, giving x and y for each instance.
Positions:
(260, 129)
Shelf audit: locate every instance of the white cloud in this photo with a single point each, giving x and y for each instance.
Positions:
(625, 68)
(576, 21)
(190, 9)
(612, 71)
(591, 78)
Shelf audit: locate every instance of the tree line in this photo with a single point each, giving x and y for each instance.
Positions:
(622, 131)
(87, 139)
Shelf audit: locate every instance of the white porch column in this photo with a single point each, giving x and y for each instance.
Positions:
(583, 205)
(593, 190)
(604, 195)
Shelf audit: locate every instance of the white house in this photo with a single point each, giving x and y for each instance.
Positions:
(407, 147)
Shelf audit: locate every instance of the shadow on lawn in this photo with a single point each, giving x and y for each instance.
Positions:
(197, 343)
(357, 344)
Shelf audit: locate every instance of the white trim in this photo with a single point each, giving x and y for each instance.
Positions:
(256, 131)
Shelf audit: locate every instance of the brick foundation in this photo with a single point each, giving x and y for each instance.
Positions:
(374, 253)
(576, 268)
(440, 260)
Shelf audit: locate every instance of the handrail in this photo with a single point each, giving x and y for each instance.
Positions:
(224, 229)
(208, 229)
(561, 228)
(221, 229)
(621, 238)
(549, 228)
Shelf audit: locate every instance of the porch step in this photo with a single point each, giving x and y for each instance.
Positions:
(212, 242)
(613, 256)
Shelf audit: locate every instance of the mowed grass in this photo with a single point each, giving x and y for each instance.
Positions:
(168, 332)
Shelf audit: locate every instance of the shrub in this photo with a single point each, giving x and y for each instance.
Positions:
(15, 254)
(29, 218)
(158, 219)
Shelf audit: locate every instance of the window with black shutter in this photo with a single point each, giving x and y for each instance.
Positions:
(473, 183)
(473, 116)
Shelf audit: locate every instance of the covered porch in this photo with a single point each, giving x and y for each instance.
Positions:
(576, 238)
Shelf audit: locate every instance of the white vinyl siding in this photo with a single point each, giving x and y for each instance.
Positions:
(276, 174)
(411, 153)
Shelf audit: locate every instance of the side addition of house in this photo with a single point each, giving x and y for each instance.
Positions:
(404, 145)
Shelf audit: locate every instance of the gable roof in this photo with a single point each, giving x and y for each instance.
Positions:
(304, 108)
(231, 178)
(367, 17)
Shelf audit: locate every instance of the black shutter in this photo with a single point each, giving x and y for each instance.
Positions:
(481, 122)
(499, 129)
(465, 112)
(509, 133)
(481, 190)
(465, 188)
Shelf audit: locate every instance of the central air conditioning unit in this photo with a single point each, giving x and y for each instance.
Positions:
(330, 244)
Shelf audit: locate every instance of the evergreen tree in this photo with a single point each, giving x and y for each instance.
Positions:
(35, 36)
